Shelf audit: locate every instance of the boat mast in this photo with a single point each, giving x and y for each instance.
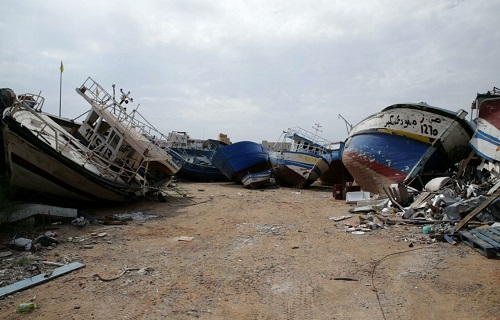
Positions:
(347, 124)
(316, 128)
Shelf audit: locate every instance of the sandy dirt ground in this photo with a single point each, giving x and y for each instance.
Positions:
(231, 253)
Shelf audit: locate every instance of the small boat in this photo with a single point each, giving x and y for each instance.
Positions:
(110, 157)
(195, 157)
(299, 158)
(196, 168)
(404, 142)
(486, 121)
(257, 180)
(236, 160)
(337, 173)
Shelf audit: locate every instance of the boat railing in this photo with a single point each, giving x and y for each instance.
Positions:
(64, 141)
(92, 91)
(308, 135)
(33, 101)
(316, 144)
(97, 96)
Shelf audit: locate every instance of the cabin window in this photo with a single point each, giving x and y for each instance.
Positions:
(114, 140)
(104, 128)
(93, 119)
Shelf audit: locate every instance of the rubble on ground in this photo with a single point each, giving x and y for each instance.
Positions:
(443, 208)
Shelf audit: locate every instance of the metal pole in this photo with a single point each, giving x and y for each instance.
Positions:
(60, 87)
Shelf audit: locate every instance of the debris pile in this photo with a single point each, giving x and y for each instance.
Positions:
(443, 208)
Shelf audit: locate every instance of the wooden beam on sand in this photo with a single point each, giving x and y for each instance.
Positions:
(478, 210)
(41, 278)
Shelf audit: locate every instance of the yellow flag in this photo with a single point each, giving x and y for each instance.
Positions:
(62, 67)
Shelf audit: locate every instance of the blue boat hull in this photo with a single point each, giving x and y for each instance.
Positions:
(196, 172)
(199, 173)
(400, 155)
(298, 170)
(236, 160)
(403, 142)
(337, 173)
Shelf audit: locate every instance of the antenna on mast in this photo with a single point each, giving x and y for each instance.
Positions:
(316, 127)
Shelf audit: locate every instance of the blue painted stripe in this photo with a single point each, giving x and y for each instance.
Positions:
(481, 135)
(394, 151)
(481, 154)
(291, 163)
(487, 137)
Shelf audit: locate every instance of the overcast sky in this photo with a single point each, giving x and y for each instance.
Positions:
(251, 69)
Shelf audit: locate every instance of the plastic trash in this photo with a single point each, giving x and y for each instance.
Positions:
(427, 229)
(25, 307)
(80, 222)
(133, 216)
(22, 243)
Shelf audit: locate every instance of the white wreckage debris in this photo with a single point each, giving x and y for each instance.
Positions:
(443, 199)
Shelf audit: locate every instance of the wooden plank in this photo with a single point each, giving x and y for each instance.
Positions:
(481, 246)
(487, 236)
(478, 210)
(449, 240)
(464, 165)
(41, 278)
(495, 231)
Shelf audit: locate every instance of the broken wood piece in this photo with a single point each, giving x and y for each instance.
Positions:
(114, 222)
(185, 238)
(345, 279)
(50, 263)
(425, 221)
(385, 220)
(464, 164)
(389, 195)
(478, 210)
(449, 240)
(339, 218)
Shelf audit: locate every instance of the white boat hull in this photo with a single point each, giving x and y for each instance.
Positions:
(257, 180)
(486, 139)
(296, 169)
(404, 141)
(31, 168)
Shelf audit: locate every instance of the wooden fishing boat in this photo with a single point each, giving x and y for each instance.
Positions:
(486, 121)
(257, 180)
(403, 142)
(337, 173)
(194, 157)
(196, 168)
(299, 158)
(111, 156)
(236, 160)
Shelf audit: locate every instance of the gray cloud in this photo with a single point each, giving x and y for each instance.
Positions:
(252, 69)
